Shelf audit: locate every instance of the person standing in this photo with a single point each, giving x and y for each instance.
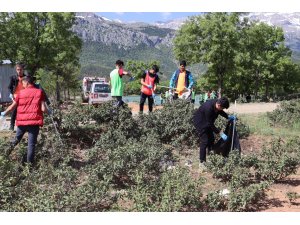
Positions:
(181, 80)
(149, 80)
(204, 119)
(116, 82)
(15, 86)
(30, 108)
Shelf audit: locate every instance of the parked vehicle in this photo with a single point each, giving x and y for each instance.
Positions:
(99, 92)
(6, 70)
(87, 84)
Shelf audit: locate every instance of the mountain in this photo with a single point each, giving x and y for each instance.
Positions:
(105, 40)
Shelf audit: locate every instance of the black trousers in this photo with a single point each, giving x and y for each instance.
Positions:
(150, 102)
(119, 101)
(207, 140)
(13, 118)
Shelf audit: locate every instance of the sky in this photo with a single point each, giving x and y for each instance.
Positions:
(147, 17)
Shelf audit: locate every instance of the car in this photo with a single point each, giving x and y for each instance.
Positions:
(99, 92)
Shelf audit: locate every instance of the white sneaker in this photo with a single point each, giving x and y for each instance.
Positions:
(202, 168)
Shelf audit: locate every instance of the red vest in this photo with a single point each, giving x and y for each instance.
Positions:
(148, 80)
(29, 111)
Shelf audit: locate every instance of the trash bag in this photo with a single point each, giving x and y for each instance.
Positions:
(232, 143)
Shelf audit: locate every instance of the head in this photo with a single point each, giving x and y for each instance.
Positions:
(182, 65)
(27, 80)
(154, 69)
(20, 69)
(119, 63)
(222, 103)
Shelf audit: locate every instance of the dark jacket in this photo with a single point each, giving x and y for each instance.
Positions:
(206, 115)
(14, 83)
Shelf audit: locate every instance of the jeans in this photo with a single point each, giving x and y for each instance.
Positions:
(33, 132)
(150, 102)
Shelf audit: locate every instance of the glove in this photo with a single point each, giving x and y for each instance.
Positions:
(231, 117)
(149, 86)
(50, 111)
(11, 96)
(153, 95)
(224, 136)
(131, 79)
(3, 114)
(170, 92)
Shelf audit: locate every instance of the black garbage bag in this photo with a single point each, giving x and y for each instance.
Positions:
(232, 143)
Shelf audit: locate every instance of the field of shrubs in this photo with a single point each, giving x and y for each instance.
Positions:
(109, 160)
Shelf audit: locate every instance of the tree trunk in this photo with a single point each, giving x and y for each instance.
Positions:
(57, 89)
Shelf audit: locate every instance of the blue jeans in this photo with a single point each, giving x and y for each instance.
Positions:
(33, 132)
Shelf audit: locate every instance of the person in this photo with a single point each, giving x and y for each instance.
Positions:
(149, 80)
(30, 104)
(116, 82)
(181, 80)
(207, 96)
(193, 96)
(15, 86)
(213, 95)
(203, 121)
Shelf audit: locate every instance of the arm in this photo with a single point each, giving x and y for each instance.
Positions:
(224, 114)
(11, 107)
(172, 81)
(44, 107)
(156, 81)
(11, 85)
(191, 81)
(143, 80)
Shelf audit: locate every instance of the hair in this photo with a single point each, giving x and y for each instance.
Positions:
(182, 62)
(21, 65)
(223, 102)
(30, 79)
(119, 62)
(155, 68)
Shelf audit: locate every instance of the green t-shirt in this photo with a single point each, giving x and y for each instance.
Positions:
(116, 82)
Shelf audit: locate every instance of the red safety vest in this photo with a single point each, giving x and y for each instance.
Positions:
(29, 111)
(150, 81)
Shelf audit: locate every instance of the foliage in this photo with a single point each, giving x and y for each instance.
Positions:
(287, 114)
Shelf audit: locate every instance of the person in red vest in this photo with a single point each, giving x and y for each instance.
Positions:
(149, 81)
(30, 104)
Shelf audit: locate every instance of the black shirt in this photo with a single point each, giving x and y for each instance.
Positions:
(205, 116)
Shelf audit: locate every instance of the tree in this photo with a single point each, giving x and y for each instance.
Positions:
(211, 39)
(40, 40)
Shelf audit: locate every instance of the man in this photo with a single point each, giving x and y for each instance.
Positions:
(116, 82)
(204, 119)
(181, 80)
(15, 86)
(30, 107)
(149, 80)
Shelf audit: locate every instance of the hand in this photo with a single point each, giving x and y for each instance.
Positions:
(131, 79)
(170, 91)
(224, 136)
(3, 114)
(232, 117)
(153, 96)
(149, 86)
(11, 96)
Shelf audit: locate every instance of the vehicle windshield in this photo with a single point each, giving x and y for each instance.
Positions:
(102, 88)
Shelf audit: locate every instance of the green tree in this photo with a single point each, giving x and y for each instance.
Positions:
(211, 39)
(40, 40)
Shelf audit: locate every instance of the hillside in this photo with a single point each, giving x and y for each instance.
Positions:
(105, 41)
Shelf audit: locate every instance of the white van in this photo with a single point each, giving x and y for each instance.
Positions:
(99, 92)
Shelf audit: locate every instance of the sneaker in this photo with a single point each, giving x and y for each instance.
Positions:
(202, 168)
